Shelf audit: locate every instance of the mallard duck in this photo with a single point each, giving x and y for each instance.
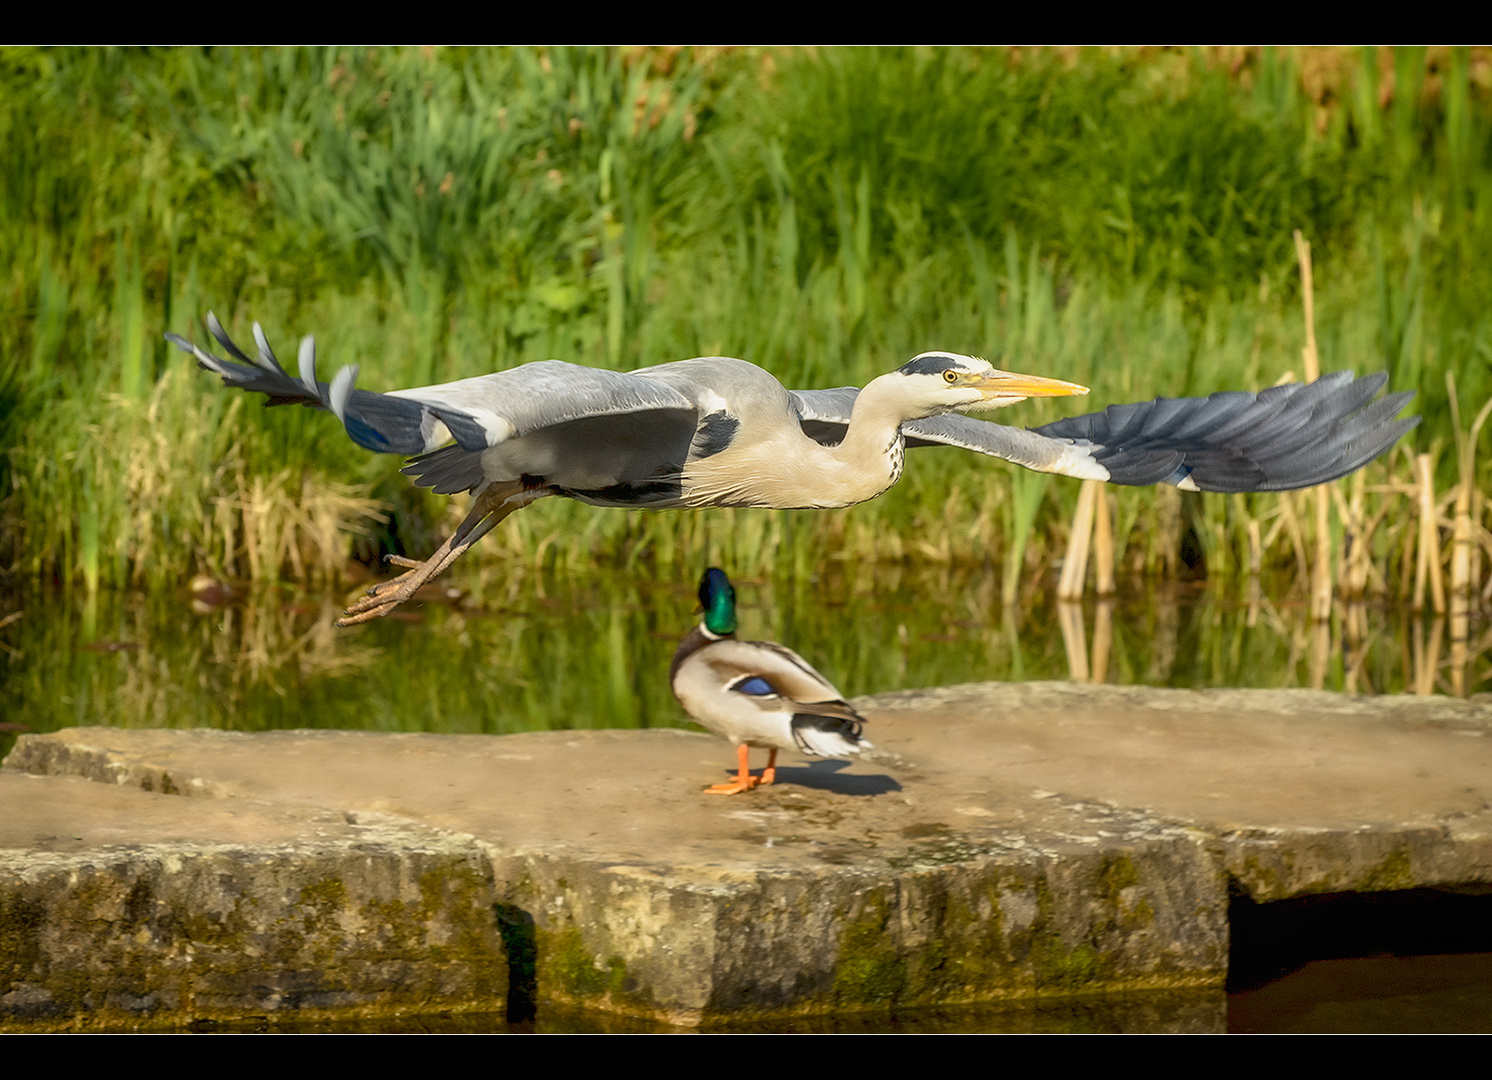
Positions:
(757, 693)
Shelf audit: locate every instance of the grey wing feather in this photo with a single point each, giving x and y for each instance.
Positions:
(1280, 439)
(1027, 448)
(474, 413)
(834, 405)
(1286, 437)
(263, 374)
(378, 422)
(509, 404)
(825, 414)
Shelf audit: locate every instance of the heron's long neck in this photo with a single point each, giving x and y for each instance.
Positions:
(869, 459)
(790, 470)
(865, 463)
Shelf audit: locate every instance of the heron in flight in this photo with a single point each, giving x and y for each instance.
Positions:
(721, 432)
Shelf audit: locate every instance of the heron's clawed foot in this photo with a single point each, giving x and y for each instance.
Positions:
(491, 506)
(387, 595)
(381, 599)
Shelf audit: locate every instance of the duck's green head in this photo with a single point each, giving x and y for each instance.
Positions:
(718, 599)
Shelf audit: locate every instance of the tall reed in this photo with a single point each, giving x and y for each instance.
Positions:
(1123, 219)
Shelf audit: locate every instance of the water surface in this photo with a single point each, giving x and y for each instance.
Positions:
(542, 651)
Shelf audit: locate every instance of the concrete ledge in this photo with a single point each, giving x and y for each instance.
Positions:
(690, 945)
(1009, 842)
(313, 915)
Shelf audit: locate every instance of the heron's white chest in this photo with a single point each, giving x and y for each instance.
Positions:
(793, 472)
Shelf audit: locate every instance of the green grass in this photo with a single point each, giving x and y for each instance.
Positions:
(1122, 219)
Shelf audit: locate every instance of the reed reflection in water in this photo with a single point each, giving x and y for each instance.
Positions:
(541, 651)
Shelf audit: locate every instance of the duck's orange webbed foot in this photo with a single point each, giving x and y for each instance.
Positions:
(735, 787)
(744, 781)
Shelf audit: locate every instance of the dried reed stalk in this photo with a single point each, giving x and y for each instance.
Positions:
(1075, 566)
(1074, 640)
(1427, 569)
(1321, 571)
(1103, 545)
(1464, 551)
(1103, 640)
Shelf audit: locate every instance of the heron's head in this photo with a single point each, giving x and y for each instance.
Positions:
(718, 598)
(937, 382)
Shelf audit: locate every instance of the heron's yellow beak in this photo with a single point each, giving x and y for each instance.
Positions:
(1004, 387)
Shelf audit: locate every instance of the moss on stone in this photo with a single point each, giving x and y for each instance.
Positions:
(1261, 881)
(22, 919)
(616, 983)
(869, 969)
(217, 934)
(321, 899)
(1142, 913)
(1117, 874)
(1066, 970)
(1394, 871)
(567, 970)
(566, 965)
(1056, 967)
(466, 893)
(968, 955)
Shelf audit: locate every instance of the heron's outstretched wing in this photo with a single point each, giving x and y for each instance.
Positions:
(825, 414)
(476, 414)
(1286, 437)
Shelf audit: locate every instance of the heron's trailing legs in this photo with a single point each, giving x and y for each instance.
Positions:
(495, 502)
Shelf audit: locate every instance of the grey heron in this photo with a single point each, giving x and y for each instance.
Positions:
(716, 431)
(757, 693)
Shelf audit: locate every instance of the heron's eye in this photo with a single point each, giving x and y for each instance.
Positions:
(950, 376)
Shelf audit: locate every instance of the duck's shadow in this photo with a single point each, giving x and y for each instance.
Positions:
(827, 776)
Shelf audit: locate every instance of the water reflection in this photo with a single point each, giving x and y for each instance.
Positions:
(532, 652)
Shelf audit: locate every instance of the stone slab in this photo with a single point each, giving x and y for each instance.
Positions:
(1004, 842)
(1302, 792)
(116, 907)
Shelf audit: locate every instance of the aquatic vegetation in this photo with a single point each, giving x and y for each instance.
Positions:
(1122, 219)
(543, 651)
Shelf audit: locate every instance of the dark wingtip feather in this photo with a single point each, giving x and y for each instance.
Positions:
(215, 328)
(1283, 438)
(383, 423)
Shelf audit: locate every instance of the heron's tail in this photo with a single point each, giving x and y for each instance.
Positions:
(379, 422)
